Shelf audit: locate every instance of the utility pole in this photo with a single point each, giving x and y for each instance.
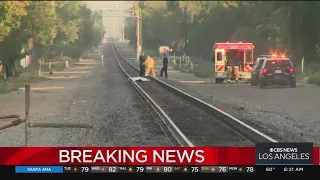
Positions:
(122, 33)
(185, 29)
(101, 45)
(139, 31)
(118, 28)
(138, 34)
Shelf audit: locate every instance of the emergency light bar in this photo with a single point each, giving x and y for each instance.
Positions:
(234, 46)
(273, 55)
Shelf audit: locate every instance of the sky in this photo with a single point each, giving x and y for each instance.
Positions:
(112, 25)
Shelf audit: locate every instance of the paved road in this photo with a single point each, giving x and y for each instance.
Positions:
(102, 97)
(285, 113)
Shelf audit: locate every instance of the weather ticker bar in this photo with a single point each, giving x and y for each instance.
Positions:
(158, 169)
(190, 169)
(130, 169)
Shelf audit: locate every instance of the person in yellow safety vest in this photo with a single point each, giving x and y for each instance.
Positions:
(150, 66)
(233, 64)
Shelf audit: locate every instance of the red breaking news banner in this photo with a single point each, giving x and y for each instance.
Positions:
(131, 156)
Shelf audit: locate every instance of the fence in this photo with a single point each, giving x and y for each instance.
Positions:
(29, 125)
(181, 60)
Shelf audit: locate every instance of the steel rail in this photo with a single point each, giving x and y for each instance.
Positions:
(180, 138)
(241, 127)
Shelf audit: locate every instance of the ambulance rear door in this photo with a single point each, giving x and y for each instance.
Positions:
(220, 63)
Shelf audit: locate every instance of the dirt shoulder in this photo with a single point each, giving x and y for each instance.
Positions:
(47, 96)
(84, 93)
(32, 75)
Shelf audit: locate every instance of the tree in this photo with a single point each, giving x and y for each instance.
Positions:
(45, 28)
(11, 35)
(41, 24)
(10, 16)
(10, 50)
(86, 27)
(68, 15)
(282, 26)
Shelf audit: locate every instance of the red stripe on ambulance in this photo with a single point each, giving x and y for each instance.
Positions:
(219, 68)
(247, 68)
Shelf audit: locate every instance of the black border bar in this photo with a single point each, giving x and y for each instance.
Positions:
(10, 171)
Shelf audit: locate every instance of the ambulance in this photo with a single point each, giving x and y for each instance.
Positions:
(242, 52)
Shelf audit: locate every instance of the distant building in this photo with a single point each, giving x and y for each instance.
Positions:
(164, 50)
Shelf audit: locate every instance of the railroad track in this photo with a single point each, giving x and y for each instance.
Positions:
(191, 121)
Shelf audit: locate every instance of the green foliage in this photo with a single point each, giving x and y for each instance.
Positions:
(71, 50)
(203, 70)
(186, 68)
(42, 22)
(313, 80)
(10, 16)
(46, 29)
(176, 67)
(283, 26)
(69, 18)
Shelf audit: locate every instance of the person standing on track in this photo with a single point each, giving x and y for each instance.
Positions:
(164, 66)
(142, 59)
(150, 66)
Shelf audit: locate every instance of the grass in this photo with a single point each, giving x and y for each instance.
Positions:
(308, 77)
(204, 70)
(201, 67)
(28, 75)
(92, 56)
(313, 80)
(15, 83)
(54, 66)
(185, 68)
